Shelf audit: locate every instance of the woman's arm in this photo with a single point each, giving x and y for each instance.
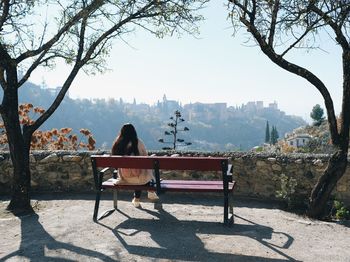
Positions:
(142, 148)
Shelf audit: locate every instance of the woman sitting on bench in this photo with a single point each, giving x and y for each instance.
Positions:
(127, 143)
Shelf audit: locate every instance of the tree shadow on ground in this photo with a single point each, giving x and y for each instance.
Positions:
(173, 239)
(36, 242)
(208, 199)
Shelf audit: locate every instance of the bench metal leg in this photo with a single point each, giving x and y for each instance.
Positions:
(115, 206)
(158, 205)
(228, 208)
(115, 199)
(226, 221)
(107, 212)
(97, 204)
(231, 215)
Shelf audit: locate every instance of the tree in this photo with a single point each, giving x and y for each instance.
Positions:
(176, 141)
(267, 133)
(317, 115)
(79, 33)
(274, 135)
(279, 26)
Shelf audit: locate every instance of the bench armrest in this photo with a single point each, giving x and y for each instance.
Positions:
(98, 177)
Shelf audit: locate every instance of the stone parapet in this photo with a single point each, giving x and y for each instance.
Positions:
(257, 174)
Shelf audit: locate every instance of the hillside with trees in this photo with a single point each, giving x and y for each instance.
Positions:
(213, 127)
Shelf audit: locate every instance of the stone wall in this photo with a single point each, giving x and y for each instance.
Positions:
(257, 175)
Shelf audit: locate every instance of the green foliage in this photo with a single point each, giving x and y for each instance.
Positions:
(267, 133)
(274, 135)
(259, 149)
(317, 115)
(287, 192)
(341, 212)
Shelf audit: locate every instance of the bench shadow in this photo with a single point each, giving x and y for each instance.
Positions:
(172, 239)
(35, 241)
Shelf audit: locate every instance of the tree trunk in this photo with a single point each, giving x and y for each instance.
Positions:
(19, 146)
(326, 183)
(20, 201)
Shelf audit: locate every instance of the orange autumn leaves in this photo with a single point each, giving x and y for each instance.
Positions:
(54, 139)
(62, 139)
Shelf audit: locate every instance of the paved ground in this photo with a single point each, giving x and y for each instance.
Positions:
(189, 229)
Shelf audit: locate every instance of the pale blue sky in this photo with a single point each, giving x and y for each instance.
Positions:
(216, 67)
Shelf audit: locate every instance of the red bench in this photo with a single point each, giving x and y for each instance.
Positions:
(103, 163)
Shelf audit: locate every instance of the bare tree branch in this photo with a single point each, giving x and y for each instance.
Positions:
(299, 39)
(5, 7)
(82, 60)
(32, 67)
(138, 15)
(89, 9)
(344, 15)
(273, 22)
(298, 70)
(340, 38)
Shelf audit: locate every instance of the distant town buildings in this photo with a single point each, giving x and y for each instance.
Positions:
(202, 111)
(191, 112)
(208, 111)
(253, 106)
(273, 105)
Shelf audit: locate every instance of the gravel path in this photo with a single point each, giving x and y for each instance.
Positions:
(188, 229)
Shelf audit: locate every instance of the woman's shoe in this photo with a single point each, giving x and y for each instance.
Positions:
(136, 202)
(152, 195)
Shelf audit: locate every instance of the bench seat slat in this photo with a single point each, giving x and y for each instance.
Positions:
(193, 182)
(106, 185)
(195, 187)
(175, 185)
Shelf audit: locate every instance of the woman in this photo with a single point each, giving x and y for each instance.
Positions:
(127, 143)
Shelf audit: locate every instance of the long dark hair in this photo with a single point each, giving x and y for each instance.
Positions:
(127, 134)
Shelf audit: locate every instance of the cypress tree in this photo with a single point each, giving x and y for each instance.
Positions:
(267, 133)
(274, 135)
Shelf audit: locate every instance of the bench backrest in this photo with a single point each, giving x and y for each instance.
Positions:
(161, 162)
(158, 163)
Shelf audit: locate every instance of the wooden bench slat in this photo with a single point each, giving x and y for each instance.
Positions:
(106, 185)
(182, 187)
(175, 185)
(165, 163)
(193, 182)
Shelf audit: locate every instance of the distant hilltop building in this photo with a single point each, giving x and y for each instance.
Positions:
(206, 111)
(273, 105)
(211, 111)
(170, 105)
(54, 91)
(259, 105)
(252, 106)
